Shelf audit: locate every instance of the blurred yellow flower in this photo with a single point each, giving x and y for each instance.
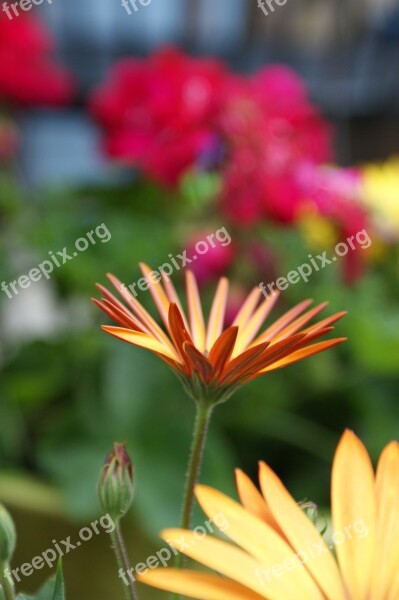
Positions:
(278, 553)
(381, 195)
(318, 231)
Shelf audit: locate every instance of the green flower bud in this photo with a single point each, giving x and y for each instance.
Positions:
(8, 536)
(116, 485)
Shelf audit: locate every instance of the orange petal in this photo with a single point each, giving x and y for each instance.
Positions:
(197, 324)
(143, 316)
(121, 317)
(178, 332)
(326, 322)
(216, 318)
(110, 297)
(222, 349)
(141, 339)
(269, 356)
(282, 322)
(173, 297)
(241, 364)
(298, 323)
(353, 502)
(199, 362)
(197, 585)
(304, 353)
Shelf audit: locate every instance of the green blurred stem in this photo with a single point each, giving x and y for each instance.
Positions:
(6, 587)
(119, 548)
(202, 419)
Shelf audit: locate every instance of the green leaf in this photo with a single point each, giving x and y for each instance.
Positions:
(51, 590)
(59, 588)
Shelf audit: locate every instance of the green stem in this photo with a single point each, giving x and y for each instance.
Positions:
(122, 559)
(6, 586)
(202, 419)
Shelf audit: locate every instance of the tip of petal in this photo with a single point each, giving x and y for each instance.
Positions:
(349, 441)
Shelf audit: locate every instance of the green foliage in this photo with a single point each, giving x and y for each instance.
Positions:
(66, 398)
(53, 589)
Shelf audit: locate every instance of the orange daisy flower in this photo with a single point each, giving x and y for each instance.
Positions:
(278, 554)
(210, 360)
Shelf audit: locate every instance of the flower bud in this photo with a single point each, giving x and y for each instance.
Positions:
(116, 485)
(8, 536)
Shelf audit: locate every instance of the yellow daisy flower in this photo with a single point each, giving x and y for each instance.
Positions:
(277, 552)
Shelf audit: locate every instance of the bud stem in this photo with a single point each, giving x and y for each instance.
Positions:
(122, 559)
(6, 587)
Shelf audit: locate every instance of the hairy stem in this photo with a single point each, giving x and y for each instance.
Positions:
(202, 419)
(122, 559)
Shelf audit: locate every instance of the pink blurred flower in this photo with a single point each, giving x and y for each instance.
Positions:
(28, 74)
(336, 195)
(212, 264)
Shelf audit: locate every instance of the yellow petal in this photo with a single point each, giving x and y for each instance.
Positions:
(394, 589)
(298, 323)
(216, 317)
(247, 308)
(234, 563)
(173, 297)
(387, 486)
(264, 544)
(197, 585)
(197, 324)
(141, 339)
(247, 333)
(282, 322)
(301, 534)
(253, 501)
(157, 292)
(354, 502)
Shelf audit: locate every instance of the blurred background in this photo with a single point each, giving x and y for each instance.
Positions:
(164, 150)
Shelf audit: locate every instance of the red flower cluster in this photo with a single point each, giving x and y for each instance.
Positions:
(270, 129)
(171, 112)
(28, 74)
(160, 114)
